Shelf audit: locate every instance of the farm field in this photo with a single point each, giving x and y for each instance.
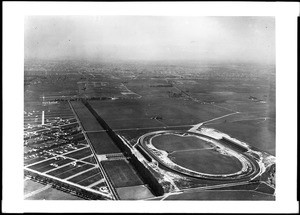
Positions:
(70, 170)
(87, 120)
(121, 173)
(258, 133)
(142, 113)
(48, 165)
(102, 143)
(82, 153)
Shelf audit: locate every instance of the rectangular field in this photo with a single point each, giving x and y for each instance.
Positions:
(86, 118)
(67, 171)
(134, 193)
(84, 175)
(80, 153)
(75, 171)
(121, 173)
(49, 164)
(102, 143)
(90, 160)
(91, 180)
(147, 113)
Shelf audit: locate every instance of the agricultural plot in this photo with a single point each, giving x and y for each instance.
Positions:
(258, 133)
(121, 173)
(82, 153)
(86, 118)
(90, 160)
(91, 180)
(69, 170)
(81, 177)
(102, 143)
(144, 113)
(33, 160)
(49, 164)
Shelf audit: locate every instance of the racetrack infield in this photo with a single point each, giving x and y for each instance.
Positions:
(222, 195)
(206, 161)
(172, 143)
(193, 154)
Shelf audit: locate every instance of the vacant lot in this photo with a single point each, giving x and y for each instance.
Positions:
(172, 142)
(121, 173)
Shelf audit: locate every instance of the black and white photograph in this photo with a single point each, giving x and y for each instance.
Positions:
(162, 107)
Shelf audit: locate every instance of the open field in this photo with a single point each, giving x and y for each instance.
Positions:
(121, 173)
(173, 143)
(30, 186)
(80, 153)
(86, 118)
(68, 171)
(47, 165)
(90, 160)
(53, 194)
(80, 178)
(206, 161)
(102, 143)
(91, 180)
(139, 192)
(260, 134)
(122, 114)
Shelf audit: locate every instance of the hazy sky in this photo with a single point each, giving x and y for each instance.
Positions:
(247, 39)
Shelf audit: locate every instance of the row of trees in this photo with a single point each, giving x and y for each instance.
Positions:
(59, 185)
(145, 173)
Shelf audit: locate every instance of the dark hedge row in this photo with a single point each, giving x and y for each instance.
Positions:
(71, 189)
(145, 173)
